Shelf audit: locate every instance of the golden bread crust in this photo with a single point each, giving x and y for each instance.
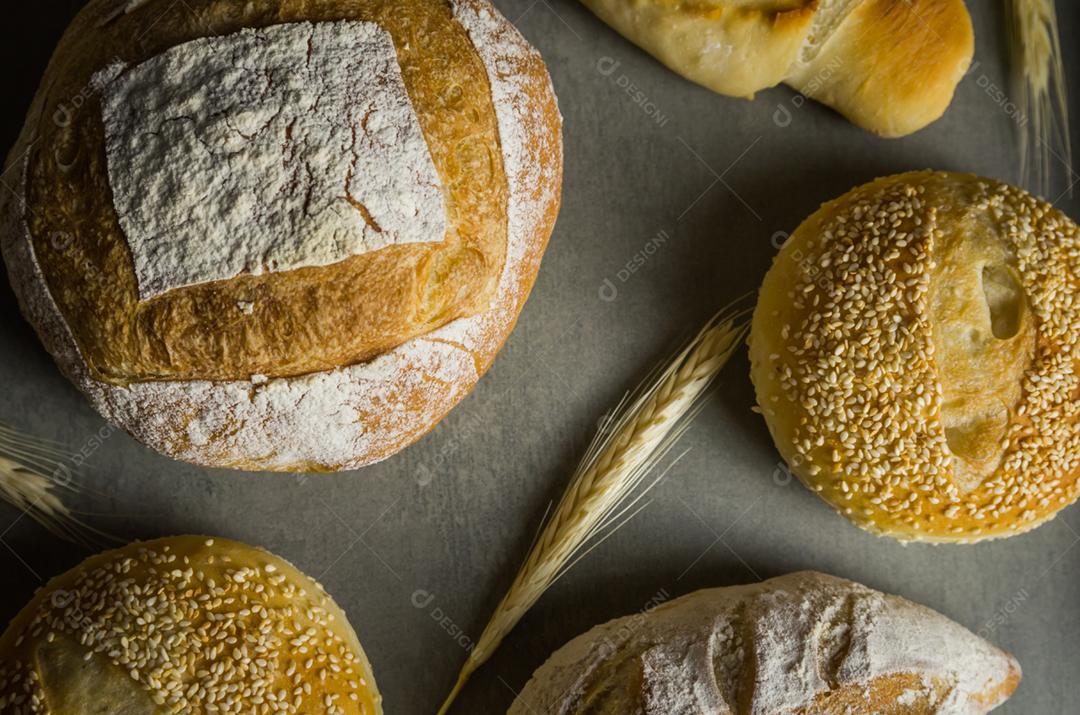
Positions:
(183, 624)
(732, 48)
(890, 66)
(349, 414)
(893, 65)
(301, 321)
(914, 354)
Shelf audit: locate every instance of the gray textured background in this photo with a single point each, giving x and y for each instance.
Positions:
(450, 517)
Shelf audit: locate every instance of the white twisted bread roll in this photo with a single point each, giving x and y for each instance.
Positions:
(801, 644)
(184, 625)
(915, 351)
(282, 234)
(890, 66)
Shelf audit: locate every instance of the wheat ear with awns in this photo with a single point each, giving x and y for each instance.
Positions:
(33, 474)
(607, 487)
(1039, 80)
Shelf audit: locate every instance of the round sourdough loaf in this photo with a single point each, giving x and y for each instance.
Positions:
(184, 624)
(915, 351)
(282, 234)
(801, 644)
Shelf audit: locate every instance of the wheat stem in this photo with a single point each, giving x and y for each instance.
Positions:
(1039, 80)
(630, 442)
(32, 471)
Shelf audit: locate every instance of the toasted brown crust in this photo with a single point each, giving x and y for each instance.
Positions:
(914, 357)
(904, 694)
(106, 636)
(304, 320)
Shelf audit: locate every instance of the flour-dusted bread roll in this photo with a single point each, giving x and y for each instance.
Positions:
(801, 644)
(915, 350)
(186, 625)
(890, 66)
(282, 234)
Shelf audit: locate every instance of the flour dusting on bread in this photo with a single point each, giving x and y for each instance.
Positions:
(774, 648)
(356, 414)
(267, 150)
(533, 184)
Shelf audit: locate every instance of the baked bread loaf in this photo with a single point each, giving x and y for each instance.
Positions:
(282, 234)
(890, 66)
(915, 350)
(801, 644)
(184, 625)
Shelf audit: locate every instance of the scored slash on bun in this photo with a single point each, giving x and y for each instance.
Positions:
(914, 352)
(352, 322)
(801, 644)
(890, 67)
(184, 624)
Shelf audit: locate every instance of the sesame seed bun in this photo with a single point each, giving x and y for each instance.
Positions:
(184, 624)
(914, 352)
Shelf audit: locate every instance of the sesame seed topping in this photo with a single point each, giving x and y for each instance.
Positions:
(856, 360)
(193, 642)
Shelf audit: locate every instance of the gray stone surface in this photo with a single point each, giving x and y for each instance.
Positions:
(672, 194)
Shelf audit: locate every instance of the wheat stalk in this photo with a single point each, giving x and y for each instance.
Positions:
(33, 471)
(631, 440)
(1039, 79)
